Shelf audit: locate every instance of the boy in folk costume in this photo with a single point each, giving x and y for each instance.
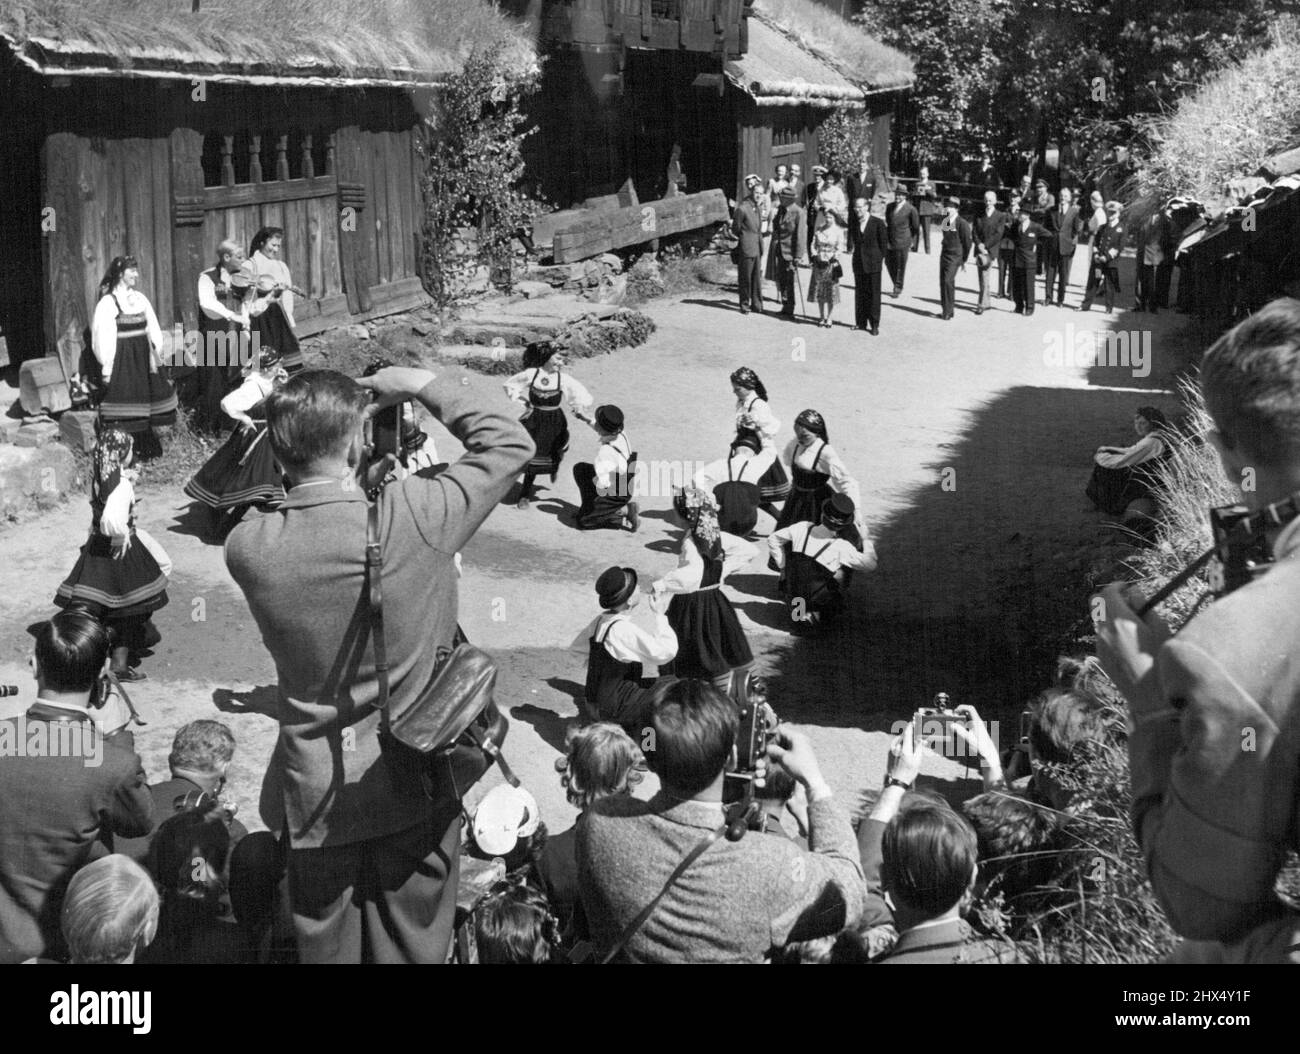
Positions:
(121, 575)
(623, 659)
(733, 482)
(814, 561)
(606, 486)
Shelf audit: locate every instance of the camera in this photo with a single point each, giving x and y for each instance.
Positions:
(1240, 545)
(933, 724)
(754, 732)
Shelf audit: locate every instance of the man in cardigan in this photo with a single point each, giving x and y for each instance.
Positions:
(372, 860)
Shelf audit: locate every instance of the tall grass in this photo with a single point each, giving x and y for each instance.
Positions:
(1229, 126)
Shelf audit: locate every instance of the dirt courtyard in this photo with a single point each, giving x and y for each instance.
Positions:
(971, 440)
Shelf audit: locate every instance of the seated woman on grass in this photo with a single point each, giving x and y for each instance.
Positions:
(1122, 477)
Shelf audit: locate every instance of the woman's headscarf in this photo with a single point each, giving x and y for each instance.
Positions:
(539, 353)
(747, 378)
(119, 266)
(1154, 417)
(814, 422)
(112, 452)
(700, 512)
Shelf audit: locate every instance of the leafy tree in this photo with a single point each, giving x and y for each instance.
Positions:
(473, 169)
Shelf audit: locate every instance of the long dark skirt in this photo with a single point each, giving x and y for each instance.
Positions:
(243, 472)
(137, 398)
(550, 432)
(113, 589)
(709, 638)
(273, 331)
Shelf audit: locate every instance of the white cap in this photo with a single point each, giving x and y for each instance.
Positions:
(505, 815)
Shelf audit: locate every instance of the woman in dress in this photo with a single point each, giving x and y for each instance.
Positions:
(243, 472)
(754, 415)
(1122, 477)
(817, 472)
(127, 344)
(542, 387)
(272, 311)
(710, 643)
(832, 219)
(121, 574)
(824, 281)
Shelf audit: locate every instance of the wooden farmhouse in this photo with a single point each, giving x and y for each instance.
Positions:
(146, 128)
(739, 88)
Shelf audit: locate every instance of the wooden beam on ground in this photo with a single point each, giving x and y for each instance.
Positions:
(606, 229)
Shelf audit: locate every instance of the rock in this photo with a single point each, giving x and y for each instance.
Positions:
(358, 332)
(612, 289)
(647, 267)
(42, 386)
(36, 432)
(532, 290)
(555, 275)
(9, 428)
(77, 429)
(423, 329)
(32, 479)
(614, 263)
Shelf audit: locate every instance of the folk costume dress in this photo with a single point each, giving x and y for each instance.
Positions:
(1121, 476)
(272, 316)
(753, 414)
(116, 589)
(817, 473)
(127, 342)
(244, 471)
(710, 642)
(543, 394)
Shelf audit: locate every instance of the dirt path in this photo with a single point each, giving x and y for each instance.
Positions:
(972, 448)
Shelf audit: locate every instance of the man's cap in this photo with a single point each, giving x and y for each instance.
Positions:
(609, 418)
(751, 179)
(900, 188)
(786, 192)
(614, 586)
(837, 511)
(819, 170)
(954, 202)
(1041, 183)
(505, 815)
(1114, 206)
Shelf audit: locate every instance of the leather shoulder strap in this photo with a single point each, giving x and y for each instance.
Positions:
(375, 597)
(696, 852)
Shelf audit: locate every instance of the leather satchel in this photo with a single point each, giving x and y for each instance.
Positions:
(450, 733)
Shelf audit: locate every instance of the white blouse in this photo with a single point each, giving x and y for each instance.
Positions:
(256, 387)
(749, 469)
(689, 572)
(578, 396)
(827, 461)
(754, 413)
(279, 271)
(103, 327)
(115, 520)
(1146, 448)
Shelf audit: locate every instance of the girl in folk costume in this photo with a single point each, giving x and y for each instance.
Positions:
(127, 343)
(121, 575)
(272, 310)
(824, 280)
(542, 387)
(817, 473)
(754, 415)
(244, 472)
(710, 642)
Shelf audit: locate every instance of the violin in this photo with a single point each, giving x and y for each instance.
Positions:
(268, 286)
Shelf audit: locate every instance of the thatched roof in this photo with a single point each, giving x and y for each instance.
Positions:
(776, 71)
(369, 43)
(834, 42)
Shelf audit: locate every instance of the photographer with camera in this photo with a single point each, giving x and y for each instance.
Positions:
(733, 901)
(67, 778)
(1213, 749)
(372, 859)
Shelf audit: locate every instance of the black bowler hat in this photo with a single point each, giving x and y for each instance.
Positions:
(614, 586)
(837, 511)
(609, 418)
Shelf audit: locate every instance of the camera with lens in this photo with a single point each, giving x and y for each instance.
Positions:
(933, 725)
(754, 732)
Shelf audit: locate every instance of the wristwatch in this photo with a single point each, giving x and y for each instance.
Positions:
(894, 781)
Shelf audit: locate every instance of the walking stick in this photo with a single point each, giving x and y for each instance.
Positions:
(798, 288)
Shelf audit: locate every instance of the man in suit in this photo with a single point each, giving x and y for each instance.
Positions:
(1213, 711)
(1103, 275)
(789, 247)
(1007, 250)
(954, 250)
(747, 226)
(987, 230)
(927, 205)
(871, 244)
(902, 224)
(372, 858)
(1040, 207)
(1026, 237)
(925, 857)
(69, 779)
(1065, 223)
(1154, 246)
(200, 757)
(859, 184)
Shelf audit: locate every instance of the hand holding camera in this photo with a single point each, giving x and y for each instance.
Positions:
(794, 751)
(394, 384)
(974, 734)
